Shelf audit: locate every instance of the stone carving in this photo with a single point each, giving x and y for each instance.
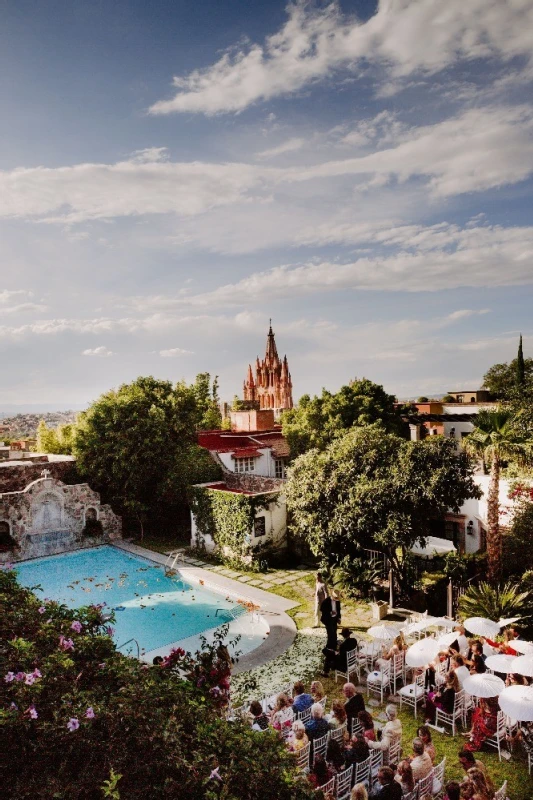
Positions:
(47, 513)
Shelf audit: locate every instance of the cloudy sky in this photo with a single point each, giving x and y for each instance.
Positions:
(172, 174)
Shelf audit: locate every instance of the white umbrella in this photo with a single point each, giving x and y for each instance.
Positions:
(500, 663)
(523, 665)
(480, 626)
(503, 622)
(444, 622)
(517, 703)
(521, 647)
(447, 639)
(383, 632)
(422, 652)
(483, 685)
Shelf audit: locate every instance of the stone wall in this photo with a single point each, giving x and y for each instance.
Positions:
(252, 483)
(15, 477)
(49, 517)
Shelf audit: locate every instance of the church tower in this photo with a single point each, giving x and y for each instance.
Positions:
(271, 387)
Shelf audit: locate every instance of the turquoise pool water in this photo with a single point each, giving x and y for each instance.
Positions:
(151, 607)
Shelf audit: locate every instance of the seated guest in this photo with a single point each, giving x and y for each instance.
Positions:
(335, 756)
(468, 761)
(301, 700)
(484, 723)
(260, 721)
(282, 715)
(340, 660)
(425, 734)
(514, 679)
(357, 751)
(386, 788)
(317, 691)
(443, 698)
(359, 792)
(479, 783)
(421, 763)
(337, 717)
(452, 791)
(461, 644)
(458, 666)
(391, 732)
(317, 725)
(404, 776)
(320, 773)
(504, 647)
(354, 702)
(476, 658)
(367, 722)
(397, 647)
(433, 677)
(298, 737)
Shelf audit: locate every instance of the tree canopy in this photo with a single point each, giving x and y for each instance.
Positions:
(375, 490)
(55, 440)
(317, 421)
(504, 381)
(136, 445)
(76, 715)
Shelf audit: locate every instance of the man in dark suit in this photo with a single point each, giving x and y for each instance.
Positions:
(330, 616)
(339, 660)
(354, 703)
(386, 788)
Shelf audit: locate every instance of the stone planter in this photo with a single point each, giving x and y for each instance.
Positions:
(380, 609)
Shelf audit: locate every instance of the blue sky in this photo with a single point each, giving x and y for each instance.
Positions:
(173, 174)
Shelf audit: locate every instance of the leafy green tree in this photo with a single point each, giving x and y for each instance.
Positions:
(501, 379)
(517, 551)
(495, 602)
(317, 421)
(423, 400)
(207, 402)
(495, 439)
(520, 367)
(370, 489)
(448, 398)
(136, 445)
(46, 438)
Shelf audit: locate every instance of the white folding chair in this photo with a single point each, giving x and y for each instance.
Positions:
(500, 734)
(343, 785)
(338, 733)
(501, 794)
(320, 746)
(412, 693)
(425, 785)
(376, 762)
(327, 787)
(302, 756)
(398, 669)
(412, 795)
(361, 772)
(323, 702)
(355, 726)
(469, 704)
(378, 680)
(457, 713)
(394, 752)
(352, 665)
(303, 716)
(438, 779)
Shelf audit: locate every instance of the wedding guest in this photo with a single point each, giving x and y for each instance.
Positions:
(321, 592)
(424, 733)
(421, 763)
(301, 700)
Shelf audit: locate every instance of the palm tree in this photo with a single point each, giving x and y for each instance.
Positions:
(495, 439)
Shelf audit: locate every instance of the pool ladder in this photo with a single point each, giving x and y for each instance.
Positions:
(172, 558)
(119, 646)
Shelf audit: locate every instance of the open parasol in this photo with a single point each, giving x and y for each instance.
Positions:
(422, 652)
(517, 703)
(480, 626)
(483, 685)
(523, 665)
(447, 639)
(383, 632)
(500, 663)
(522, 647)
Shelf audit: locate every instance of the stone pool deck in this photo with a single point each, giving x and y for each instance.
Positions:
(272, 607)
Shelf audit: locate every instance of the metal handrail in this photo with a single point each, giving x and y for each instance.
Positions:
(131, 640)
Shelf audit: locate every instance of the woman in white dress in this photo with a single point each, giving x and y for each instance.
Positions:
(321, 592)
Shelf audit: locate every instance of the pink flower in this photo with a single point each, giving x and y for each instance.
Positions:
(41, 609)
(32, 711)
(65, 644)
(109, 630)
(10, 677)
(76, 626)
(20, 676)
(89, 714)
(73, 724)
(37, 673)
(30, 679)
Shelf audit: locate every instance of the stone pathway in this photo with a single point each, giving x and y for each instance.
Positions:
(262, 580)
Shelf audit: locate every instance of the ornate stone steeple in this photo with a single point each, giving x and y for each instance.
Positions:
(272, 385)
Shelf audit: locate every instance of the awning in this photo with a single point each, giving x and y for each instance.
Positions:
(433, 547)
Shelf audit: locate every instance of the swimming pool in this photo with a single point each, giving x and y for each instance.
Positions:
(155, 609)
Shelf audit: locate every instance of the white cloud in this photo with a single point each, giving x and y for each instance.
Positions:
(290, 146)
(174, 352)
(403, 36)
(22, 308)
(100, 352)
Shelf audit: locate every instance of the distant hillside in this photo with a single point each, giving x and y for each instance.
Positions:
(24, 425)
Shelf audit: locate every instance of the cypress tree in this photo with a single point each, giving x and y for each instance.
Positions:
(520, 367)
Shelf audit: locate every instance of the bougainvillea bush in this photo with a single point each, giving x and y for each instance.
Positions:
(79, 720)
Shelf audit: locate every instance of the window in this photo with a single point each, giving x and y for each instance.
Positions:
(259, 527)
(245, 465)
(460, 398)
(6, 541)
(279, 467)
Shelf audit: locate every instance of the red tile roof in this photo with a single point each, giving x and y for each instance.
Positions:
(229, 442)
(222, 487)
(246, 452)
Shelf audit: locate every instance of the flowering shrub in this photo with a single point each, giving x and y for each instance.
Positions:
(79, 721)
